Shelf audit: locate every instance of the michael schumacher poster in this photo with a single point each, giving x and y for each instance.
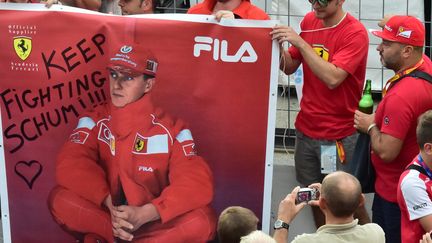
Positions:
(220, 78)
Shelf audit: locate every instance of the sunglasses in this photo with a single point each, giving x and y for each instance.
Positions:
(322, 3)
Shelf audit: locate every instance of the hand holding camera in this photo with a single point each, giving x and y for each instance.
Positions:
(295, 201)
(308, 194)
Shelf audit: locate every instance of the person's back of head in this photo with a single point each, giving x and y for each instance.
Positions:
(235, 222)
(342, 194)
(257, 236)
(424, 129)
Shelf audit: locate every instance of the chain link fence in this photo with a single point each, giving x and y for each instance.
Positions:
(291, 12)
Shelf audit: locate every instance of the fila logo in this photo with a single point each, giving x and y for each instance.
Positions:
(245, 53)
(145, 168)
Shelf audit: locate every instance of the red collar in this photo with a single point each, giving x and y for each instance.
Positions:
(125, 119)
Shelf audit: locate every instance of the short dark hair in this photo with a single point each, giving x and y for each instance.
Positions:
(418, 49)
(235, 222)
(342, 193)
(424, 129)
(155, 6)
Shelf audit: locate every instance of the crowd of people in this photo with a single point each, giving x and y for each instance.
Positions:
(333, 48)
(232, 8)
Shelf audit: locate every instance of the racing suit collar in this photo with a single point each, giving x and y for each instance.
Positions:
(124, 119)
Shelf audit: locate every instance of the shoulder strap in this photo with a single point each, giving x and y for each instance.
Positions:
(420, 74)
(417, 168)
(416, 74)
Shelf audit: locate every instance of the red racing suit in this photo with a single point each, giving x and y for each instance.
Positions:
(139, 156)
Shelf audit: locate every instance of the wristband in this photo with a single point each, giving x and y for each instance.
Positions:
(370, 127)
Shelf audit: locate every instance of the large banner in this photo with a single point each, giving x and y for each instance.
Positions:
(220, 78)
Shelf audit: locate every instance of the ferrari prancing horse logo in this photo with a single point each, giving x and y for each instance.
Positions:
(23, 46)
(139, 145)
(321, 51)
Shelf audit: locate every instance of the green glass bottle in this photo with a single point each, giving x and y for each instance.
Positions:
(366, 101)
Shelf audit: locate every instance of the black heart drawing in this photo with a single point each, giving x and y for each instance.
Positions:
(28, 171)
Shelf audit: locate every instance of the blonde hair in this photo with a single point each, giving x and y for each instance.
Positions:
(257, 236)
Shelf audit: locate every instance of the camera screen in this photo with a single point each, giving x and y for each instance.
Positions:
(304, 196)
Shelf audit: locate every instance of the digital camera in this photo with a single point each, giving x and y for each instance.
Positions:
(307, 194)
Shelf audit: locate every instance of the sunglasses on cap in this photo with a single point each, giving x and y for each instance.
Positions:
(322, 3)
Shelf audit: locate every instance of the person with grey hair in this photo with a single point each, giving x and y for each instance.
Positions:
(257, 236)
(340, 196)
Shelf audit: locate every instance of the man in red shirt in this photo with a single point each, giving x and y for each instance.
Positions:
(332, 47)
(415, 186)
(242, 9)
(392, 127)
(130, 172)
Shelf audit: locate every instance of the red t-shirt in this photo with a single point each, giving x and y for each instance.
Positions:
(396, 116)
(326, 113)
(245, 10)
(414, 198)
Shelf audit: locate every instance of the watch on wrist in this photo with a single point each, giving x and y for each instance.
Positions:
(279, 224)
